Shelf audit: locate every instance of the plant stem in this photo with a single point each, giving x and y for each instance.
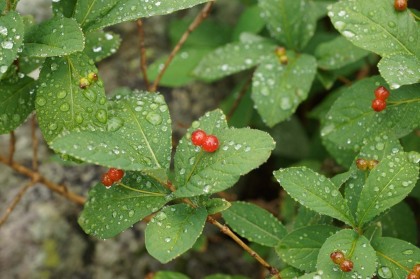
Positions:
(12, 145)
(197, 21)
(239, 98)
(225, 229)
(143, 62)
(60, 189)
(15, 201)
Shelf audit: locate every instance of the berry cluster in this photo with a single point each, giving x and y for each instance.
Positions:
(209, 143)
(84, 82)
(338, 257)
(112, 176)
(379, 103)
(415, 273)
(281, 54)
(400, 5)
(363, 164)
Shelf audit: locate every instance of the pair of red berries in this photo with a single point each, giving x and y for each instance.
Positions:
(415, 273)
(338, 258)
(379, 103)
(363, 164)
(209, 143)
(112, 176)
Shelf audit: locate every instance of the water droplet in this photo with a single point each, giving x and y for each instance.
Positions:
(3, 31)
(3, 69)
(65, 107)
(131, 213)
(385, 272)
(348, 34)
(114, 214)
(154, 118)
(90, 95)
(62, 94)
(168, 239)
(101, 116)
(79, 118)
(41, 101)
(7, 45)
(114, 124)
(52, 126)
(182, 171)
(161, 216)
(408, 252)
(391, 24)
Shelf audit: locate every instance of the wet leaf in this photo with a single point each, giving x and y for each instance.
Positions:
(111, 211)
(61, 104)
(249, 21)
(216, 205)
(351, 114)
(54, 37)
(11, 38)
(306, 217)
(65, 7)
(338, 53)
(388, 184)
(395, 257)
(138, 136)
(400, 222)
(174, 230)
(240, 151)
(355, 248)
(314, 191)
(100, 44)
(391, 34)
(16, 102)
(278, 89)
(94, 15)
(254, 223)
(300, 248)
(290, 22)
(233, 58)
(169, 275)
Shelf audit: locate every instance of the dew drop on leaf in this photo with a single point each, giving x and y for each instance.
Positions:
(154, 118)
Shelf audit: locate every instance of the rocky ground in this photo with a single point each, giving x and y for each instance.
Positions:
(42, 239)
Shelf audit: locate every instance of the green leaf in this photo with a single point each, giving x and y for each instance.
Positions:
(314, 191)
(111, 211)
(100, 44)
(290, 273)
(300, 248)
(338, 53)
(306, 217)
(55, 37)
(254, 223)
(249, 21)
(278, 89)
(179, 72)
(400, 222)
(233, 58)
(391, 34)
(138, 136)
(16, 102)
(61, 105)
(355, 248)
(396, 257)
(222, 276)
(208, 35)
(94, 15)
(11, 38)
(169, 275)
(242, 114)
(290, 22)
(388, 184)
(217, 205)
(352, 114)
(240, 151)
(174, 230)
(65, 8)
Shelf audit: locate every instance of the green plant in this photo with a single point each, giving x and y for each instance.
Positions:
(297, 69)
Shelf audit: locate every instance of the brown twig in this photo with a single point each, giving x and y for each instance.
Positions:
(239, 98)
(15, 201)
(143, 62)
(197, 21)
(34, 144)
(12, 145)
(225, 229)
(60, 189)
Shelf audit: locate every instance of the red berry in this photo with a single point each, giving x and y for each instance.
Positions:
(115, 174)
(378, 105)
(346, 266)
(413, 275)
(416, 269)
(381, 93)
(198, 137)
(210, 144)
(400, 5)
(106, 180)
(361, 164)
(337, 257)
(371, 164)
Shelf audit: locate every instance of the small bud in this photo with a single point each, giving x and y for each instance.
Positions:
(92, 77)
(361, 164)
(371, 164)
(84, 83)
